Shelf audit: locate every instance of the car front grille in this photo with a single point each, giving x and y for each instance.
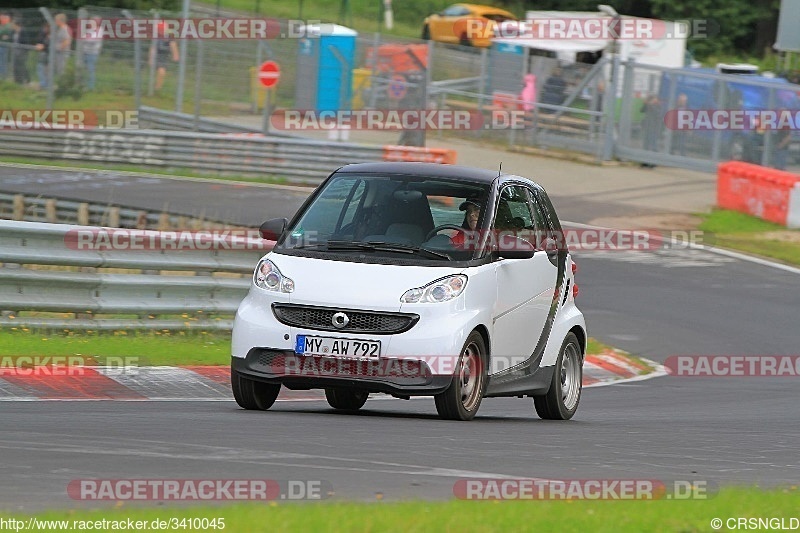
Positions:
(321, 318)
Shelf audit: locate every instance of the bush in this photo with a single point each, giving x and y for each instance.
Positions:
(70, 84)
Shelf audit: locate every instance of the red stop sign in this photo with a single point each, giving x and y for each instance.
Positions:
(268, 73)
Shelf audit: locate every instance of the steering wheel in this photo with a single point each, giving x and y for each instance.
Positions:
(437, 229)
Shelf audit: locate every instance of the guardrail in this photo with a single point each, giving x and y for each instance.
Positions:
(160, 119)
(165, 281)
(303, 160)
(42, 209)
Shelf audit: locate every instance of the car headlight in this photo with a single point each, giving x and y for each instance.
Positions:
(440, 290)
(269, 277)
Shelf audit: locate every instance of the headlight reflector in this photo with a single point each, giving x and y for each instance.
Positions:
(440, 290)
(269, 277)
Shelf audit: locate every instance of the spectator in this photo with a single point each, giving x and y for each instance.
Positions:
(19, 53)
(528, 94)
(754, 143)
(43, 46)
(600, 93)
(679, 136)
(63, 43)
(783, 139)
(6, 35)
(163, 52)
(554, 90)
(91, 46)
(652, 124)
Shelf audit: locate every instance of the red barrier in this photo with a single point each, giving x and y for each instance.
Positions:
(756, 190)
(415, 153)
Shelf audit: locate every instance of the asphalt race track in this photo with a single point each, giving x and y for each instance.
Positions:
(689, 302)
(235, 203)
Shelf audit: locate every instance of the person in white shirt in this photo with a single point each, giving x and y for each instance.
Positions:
(92, 44)
(63, 43)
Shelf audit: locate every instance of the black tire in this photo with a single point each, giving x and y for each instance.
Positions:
(253, 395)
(346, 399)
(464, 40)
(463, 398)
(561, 401)
(426, 33)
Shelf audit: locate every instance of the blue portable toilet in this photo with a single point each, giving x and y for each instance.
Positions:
(325, 62)
(506, 65)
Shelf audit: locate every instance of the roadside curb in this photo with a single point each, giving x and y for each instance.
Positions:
(212, 383)
(612, 367)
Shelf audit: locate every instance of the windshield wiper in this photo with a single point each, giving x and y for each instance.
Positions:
(406, 248)
(380, 246)
(336, 245)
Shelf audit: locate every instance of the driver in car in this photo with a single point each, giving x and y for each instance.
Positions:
(472, 208)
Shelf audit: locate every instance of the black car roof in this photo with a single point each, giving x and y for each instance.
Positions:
(434, 170)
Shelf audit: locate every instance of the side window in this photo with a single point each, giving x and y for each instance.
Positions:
(539, 217)
(455, 11)
(513, 210)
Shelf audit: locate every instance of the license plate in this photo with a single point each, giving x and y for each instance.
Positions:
(312, 345)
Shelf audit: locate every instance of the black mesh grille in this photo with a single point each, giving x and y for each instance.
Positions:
(321, 318)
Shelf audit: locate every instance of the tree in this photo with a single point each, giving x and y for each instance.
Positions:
(733, 25)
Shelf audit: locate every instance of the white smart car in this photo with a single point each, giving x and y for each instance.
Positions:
(414, 279)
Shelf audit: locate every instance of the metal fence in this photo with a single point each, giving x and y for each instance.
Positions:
(599, 109)
(44, 271)
(646, 129)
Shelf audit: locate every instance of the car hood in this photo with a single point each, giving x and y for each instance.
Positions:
(353, 285)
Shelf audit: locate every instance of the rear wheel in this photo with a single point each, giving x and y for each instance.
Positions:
(463, 398)
(561, 401)
(253, 395)
(346, 399)
(464, 40)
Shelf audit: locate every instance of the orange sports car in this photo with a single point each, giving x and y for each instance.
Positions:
(465, 24)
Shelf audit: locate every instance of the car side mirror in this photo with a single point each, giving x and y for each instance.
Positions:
(512, 247)
(272, 230)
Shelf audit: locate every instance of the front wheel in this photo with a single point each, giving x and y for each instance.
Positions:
(463, 398)
(561, 401)
(253, 395)
(346, 399)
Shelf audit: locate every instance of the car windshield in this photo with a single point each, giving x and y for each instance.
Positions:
(387, 216)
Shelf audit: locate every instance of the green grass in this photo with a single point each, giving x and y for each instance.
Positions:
(154, 348)
(738, 231)
(725, 221)
(483, 516)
